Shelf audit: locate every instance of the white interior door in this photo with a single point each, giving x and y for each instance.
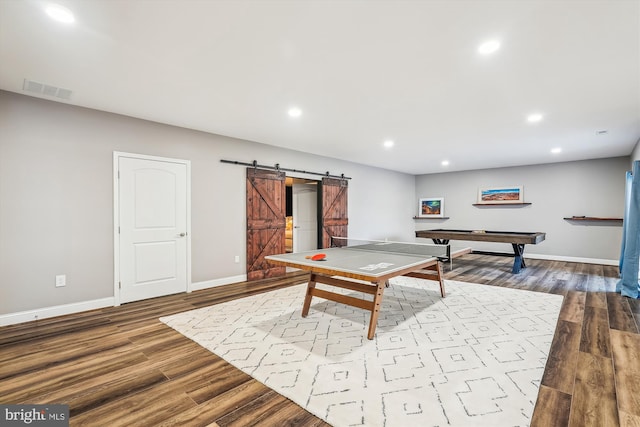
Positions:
(305, 217)
(153, 227)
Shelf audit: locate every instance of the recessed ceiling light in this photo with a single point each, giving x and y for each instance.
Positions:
(556, 150)
(488, 47)
(294, 112)
(534, 118)
(388, 143)
(59, 13)
(445, 163)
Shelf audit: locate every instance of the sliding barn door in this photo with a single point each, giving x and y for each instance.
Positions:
(334, 209)
(266, 204)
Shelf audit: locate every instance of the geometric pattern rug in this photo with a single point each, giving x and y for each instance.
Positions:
(474, 358)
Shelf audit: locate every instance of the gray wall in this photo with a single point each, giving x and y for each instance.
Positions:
(589, 188)
(635, 155)
(56, 198)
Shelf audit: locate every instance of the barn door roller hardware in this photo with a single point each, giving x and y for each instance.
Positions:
(277, 167)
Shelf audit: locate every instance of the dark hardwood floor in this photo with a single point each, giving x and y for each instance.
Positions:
(121, 367)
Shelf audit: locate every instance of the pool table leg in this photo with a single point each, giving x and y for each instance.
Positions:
(444, 242)
(518, 262)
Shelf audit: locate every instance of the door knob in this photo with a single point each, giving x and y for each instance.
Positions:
(183, 234)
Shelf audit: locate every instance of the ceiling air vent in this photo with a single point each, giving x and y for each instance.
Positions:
(44, 89)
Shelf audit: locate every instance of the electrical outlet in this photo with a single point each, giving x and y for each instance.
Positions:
(237, 259)
(61, 280)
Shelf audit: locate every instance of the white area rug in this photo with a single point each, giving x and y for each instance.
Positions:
(474, 358)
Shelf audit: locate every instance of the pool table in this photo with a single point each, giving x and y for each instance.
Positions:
(517, 239)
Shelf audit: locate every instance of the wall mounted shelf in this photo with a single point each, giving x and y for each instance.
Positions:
(501, 204)
(592, 218)
(430, 217)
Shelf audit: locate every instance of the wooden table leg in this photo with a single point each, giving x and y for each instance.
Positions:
(377, 302)
(307, 299)
(440, 278)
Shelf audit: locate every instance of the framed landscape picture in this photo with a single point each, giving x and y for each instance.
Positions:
(431, 208)
(501, 195)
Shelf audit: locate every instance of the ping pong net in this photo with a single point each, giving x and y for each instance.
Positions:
(443, 252)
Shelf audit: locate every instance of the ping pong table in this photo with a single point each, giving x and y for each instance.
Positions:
(375, 262)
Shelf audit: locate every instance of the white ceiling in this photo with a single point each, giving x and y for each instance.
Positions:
(362, 72)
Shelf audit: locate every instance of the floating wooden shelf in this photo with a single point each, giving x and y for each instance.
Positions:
(592, 218)
(430, 217)
(501, 204)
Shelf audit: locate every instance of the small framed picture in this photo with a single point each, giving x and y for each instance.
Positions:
(501, 195)
(431, 207)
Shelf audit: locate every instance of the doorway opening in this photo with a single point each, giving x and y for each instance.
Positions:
(267, 217)
(302, 230)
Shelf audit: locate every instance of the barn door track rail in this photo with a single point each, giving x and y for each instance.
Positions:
(277, 167)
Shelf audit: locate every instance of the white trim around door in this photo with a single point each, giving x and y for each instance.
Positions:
(117, 156)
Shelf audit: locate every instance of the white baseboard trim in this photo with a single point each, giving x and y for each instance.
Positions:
(61, 310)
(562, 258)
(218, 282)
(573, 259)
(58, 310)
